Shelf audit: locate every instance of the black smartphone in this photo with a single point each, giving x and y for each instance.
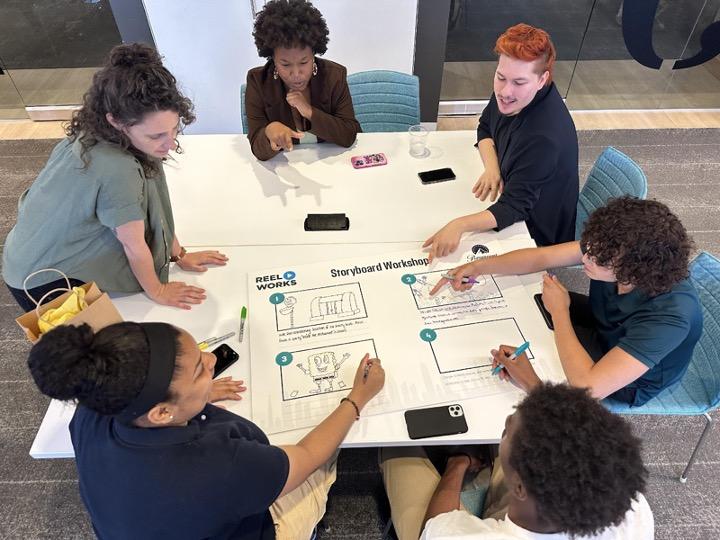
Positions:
(435, 421)
(437, 175)
(544, 312)
(226, 357)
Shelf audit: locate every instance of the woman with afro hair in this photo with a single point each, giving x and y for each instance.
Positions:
(634, 335)
(296, 96)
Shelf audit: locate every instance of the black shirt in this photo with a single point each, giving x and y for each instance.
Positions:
(214, 478)
(538, 154)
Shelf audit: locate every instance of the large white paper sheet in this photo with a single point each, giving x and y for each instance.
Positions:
(311, 325)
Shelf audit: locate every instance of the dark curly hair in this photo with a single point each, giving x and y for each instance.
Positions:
(132, 83)
(644, 243)
(103, 372)
(580, 462)
(290, 23)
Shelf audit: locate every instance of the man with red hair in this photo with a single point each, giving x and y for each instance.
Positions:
(528, 144)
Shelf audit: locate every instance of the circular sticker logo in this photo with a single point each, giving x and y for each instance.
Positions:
(428, 334)
(408, 279)
(284, 359)
(479, 248)
(276, 298)
(289, 275)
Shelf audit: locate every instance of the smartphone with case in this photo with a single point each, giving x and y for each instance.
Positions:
(436, 175)
(435, 421)
(369, 160)
(543, 311)
(226, 357)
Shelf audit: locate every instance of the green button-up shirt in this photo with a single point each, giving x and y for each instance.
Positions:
(66, 219)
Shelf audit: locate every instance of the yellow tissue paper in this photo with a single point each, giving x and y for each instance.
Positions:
(72, 305)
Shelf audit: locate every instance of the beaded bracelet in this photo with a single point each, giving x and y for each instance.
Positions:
(357, 409)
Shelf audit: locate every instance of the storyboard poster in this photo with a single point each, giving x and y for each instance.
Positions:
(312, 324)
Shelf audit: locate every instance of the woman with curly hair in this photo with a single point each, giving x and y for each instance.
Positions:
(296, 96)
(635, 333)
(156, 459)
(566, 468)
(100, 210)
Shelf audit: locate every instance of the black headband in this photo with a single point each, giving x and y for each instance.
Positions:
(161, 340)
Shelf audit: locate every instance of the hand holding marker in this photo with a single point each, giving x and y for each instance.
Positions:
(521, 349)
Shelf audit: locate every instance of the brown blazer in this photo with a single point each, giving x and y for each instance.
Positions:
(333, 117)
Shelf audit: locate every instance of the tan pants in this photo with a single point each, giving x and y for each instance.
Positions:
(410, 481)
(296, 514)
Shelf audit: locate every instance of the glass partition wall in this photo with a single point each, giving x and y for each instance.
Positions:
(49, 51)
(595, 69)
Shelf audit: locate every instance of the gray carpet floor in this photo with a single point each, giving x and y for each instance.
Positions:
(39, 499)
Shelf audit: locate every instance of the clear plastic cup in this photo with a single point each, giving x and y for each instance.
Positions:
(418, 141)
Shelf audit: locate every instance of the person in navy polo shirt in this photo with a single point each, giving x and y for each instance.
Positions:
(635, 333)
(156, 460)
(528, 144)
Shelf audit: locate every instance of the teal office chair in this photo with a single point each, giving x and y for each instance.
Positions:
(613, 175)
(698, 392)
(243, 87)
(385, 100)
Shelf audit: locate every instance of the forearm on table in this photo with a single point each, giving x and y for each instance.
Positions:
(478, 222)
(447, 493)
(260, 145)
(176, 247)
(488, 154)
(576, 362)
(142, 265)
(520, 261)
(334, 129)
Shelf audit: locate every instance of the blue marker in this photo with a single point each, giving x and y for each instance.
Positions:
(464, 279)
(521, 349)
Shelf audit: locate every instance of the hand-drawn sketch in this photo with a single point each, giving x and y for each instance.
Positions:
(468, 346)
(343, 304)
(310, 307)
(485, 289)
(323, 370)
(289, 309)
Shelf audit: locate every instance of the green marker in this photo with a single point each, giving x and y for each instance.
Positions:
(243, 316)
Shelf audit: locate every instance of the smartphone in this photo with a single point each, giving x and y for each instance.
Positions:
(435, 421)
(436, 175)
(370, 160)
(226, 357)
(544, 312)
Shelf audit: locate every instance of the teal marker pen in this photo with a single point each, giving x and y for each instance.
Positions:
(521, 349)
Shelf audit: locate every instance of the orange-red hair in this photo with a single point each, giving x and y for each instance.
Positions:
(528, 43)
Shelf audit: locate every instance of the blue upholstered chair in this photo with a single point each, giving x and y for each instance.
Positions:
(614, 174)
(385, 100)
(243, 87)
(698, 392)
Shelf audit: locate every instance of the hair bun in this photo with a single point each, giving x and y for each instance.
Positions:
(59, 362)
(132, 54)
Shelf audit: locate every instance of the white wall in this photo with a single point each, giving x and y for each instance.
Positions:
(208, 46)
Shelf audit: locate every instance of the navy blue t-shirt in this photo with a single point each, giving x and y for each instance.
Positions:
(659, 331)
(214, 478)
(537, 151)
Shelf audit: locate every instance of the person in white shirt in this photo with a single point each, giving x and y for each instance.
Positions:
(567, 469)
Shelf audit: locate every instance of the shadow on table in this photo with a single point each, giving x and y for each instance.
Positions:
(278, 176)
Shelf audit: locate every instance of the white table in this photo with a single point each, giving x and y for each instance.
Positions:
(217, 195)
(223, 196)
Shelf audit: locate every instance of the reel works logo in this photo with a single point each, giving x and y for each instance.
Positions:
(275, 281)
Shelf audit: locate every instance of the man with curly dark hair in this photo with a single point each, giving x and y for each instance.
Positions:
(566, 466)
(635, 333)
(296, 97)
